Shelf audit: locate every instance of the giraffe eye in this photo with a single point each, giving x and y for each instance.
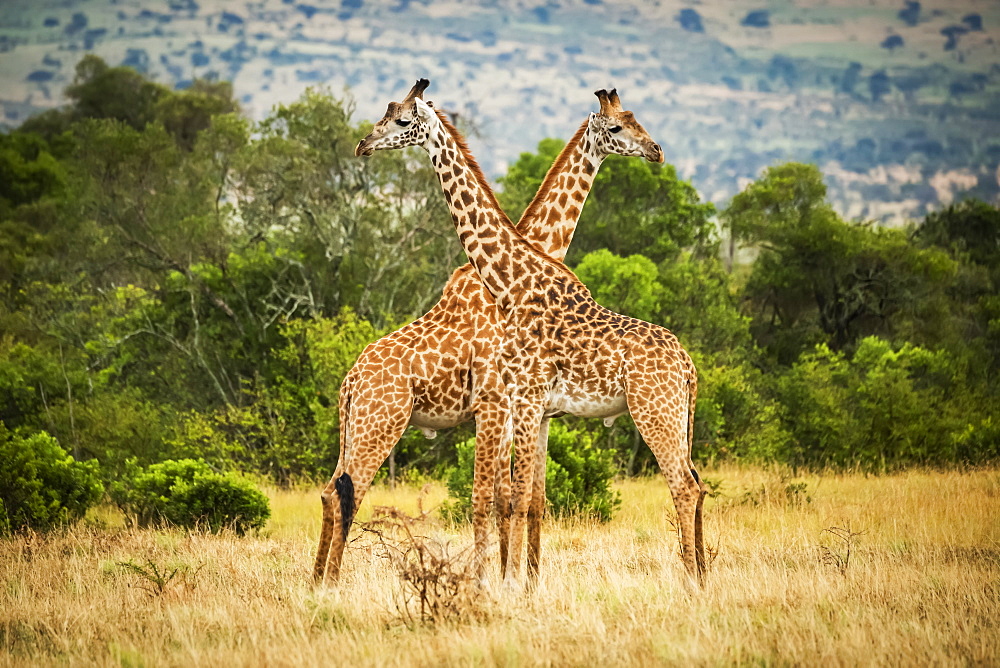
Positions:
(616, 129)
(401, 123)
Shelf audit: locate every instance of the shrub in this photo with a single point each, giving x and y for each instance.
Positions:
(884, 408)
(41, 485)
(189, 494)
(735, 418)
(577, 477)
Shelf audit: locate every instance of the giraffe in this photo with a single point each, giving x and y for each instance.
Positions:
(561, 352)
(440, 370)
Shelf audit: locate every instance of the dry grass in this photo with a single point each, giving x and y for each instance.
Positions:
(922, 586)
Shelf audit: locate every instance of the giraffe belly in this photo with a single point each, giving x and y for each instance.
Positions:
(441, 418)
(586, 405)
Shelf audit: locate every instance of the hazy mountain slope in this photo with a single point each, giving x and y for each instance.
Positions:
(899, 103)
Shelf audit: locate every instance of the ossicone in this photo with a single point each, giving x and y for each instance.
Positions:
(607, 107)
(616, 104)
(418, 89)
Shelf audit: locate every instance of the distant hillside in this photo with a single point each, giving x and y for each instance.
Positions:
(897, 102)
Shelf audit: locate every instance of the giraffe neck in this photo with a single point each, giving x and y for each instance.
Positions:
(498, 252)
(550, 220)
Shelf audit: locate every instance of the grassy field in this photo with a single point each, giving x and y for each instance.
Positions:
(921, 586)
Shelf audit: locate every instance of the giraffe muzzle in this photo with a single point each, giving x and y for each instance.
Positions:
(654, 153)
(363, 149)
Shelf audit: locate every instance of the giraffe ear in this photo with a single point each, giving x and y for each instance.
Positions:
(424, 111)
(593, 124)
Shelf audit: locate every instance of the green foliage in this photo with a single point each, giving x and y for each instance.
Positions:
(699, 303)
(970, 233)
(114, 427)
(459, 479)
(735, 417)
(372, 234)
(886, 407)
(187, 113)
(118, 93)
(273, 434)
(968, 229)
(188, 493)
(578, 477)
(32, 376)
(819, 279)
(624, 285)
(28, 170)
(41, 486)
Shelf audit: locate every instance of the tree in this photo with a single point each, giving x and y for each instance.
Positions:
(187, 113)
(690, 20)
(119, 93)
(624, 285)
(883, 408)
(817, 278)
(879, 84)
(970, 228)
(970, 232)
(30, 178)
(892, 42)
(373, 234)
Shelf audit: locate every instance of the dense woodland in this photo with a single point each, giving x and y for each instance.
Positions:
(180, 281)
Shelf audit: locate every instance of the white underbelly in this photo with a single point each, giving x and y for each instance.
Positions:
(429, 423)
(608, 407)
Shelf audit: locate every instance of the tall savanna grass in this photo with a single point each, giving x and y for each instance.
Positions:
(911, 577)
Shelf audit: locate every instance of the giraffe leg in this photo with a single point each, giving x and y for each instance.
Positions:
(340, 500)
(369, 443)
(527, 420)
(502, 494)
(536, 510)
(327, 528)
(661, 415)
(491, 428)
(331, 515)
(686, 493)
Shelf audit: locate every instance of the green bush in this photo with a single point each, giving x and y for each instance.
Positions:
(577, 477)
(883, 408)
(189, 494)
(734, 418)
(41, 485)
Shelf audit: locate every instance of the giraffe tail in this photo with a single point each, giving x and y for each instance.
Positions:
(344, 484)
(692, 400)
(699, 532)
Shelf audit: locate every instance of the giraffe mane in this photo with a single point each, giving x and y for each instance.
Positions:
(471, 162)
(550, 176)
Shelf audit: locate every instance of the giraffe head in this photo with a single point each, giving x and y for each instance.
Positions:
(616, 131)
(404, 124)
